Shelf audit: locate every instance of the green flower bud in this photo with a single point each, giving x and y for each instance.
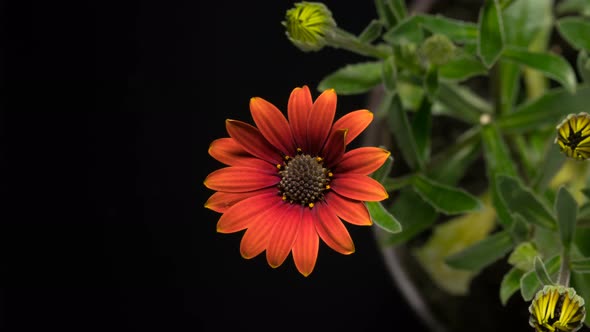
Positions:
(573, 136)
(308, 24)
(437, 50)
(557, 308)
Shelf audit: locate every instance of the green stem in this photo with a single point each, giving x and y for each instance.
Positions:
(564, 270)
(348, 41)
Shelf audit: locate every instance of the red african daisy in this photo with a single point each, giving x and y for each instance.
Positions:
(289, 183)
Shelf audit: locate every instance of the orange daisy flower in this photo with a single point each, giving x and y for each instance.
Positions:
(289, 183)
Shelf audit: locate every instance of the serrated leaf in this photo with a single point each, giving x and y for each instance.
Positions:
(545, 111)
(551, 65)
(482, 253)
(382, 218)
(491, 33)
(566, 209)
(523, 201)
(530, 284)
(576, 31)
(446, 199)
(510, 284)
(353, 79)
(580, 265)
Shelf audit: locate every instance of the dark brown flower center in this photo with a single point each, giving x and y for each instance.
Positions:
(304, 179)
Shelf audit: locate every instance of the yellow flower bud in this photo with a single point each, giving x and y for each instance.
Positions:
(557, 309)
(308, 24)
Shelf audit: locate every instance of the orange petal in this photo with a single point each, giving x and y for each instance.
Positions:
(224, 179)
(320, 120)
(273, 125)
(284, 234)
(298, 109)
(355, 122)
(359, 187)
(250, 138)
(334, 149)
(305, 249)
(332, 230)
(352, 211)
(256, 237)
(221, 201)
(243, 213)
(228, 151)
(364, 160)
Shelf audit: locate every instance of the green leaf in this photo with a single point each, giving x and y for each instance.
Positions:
(446, 199)
(400, 127)
(449, 165)
(566, 209)
(383, 172)
(431, 82)
(385, 14)
(421, 127)
(382, 218)
(576, 31)
(371, 32)
(581, 7)
(491, 33)
(520, 229)
(530, 284)
(581, 265)
(510, 284)
(545, 111)
(353, 79)
(398, 7)
(581, 283)
(461, 103)
(551, 65)
(523, 201)
(528, 20)
(461, 68)
(541, 272)
(498, 161)
(413, 213)
(583, 65)
(482, 253)
(552, 163)
(456, 30)
(407, 31)
(523, 256)
(390, 74)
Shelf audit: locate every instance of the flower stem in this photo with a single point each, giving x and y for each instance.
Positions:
(339, 38)
(564, 270)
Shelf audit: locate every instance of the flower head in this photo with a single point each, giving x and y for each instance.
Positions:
(290, 182)
(308, 24)
(573, 136)
(557, 308)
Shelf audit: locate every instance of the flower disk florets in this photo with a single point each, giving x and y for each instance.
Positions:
(308, 25)
(303, 179)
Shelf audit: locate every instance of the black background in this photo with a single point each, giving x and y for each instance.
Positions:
(109, 108)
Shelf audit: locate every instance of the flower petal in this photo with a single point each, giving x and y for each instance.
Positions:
(283, 235)
(364, 160)
(273, 125)
(228, 151)
(305, 248)
(320, 120)
(224, 179)
(247, 211)
(355, 122)
(350, 210)
(332, 230)
(298, 109)
(256, 237)
(250, 138)
(359, 187)
(334, 148)
(221, 201)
